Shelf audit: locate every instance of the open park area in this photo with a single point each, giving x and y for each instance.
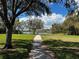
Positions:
(64, 46)
(39, 29)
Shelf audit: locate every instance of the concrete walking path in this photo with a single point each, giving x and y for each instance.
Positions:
(37, 52)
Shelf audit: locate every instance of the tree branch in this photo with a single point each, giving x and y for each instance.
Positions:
(1, 14)
(24, 8)
(18, 5)
(13, 7)
(4, 20)
(4, 5)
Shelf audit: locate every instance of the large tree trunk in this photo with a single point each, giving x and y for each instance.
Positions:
(8, 44)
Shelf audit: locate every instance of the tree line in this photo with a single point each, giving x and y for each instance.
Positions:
(69, 26)
(30, 25)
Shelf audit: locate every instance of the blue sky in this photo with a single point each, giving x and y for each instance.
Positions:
(55, 8)
(58, 8)
(58, 15)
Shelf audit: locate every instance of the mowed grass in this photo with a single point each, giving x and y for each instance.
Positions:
(15, 37)
(22, 44)
(62, 37)
(18, 36)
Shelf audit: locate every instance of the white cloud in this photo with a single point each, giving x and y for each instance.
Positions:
(48, 20)
(77, 1)
(54, 18)
(24, 18)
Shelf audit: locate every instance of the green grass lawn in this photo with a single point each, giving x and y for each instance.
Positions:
(61, 45)
(18, 36)
(62, 37)
(22, 44)
(15, 37)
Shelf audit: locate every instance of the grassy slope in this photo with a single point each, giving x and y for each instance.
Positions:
(62, 37)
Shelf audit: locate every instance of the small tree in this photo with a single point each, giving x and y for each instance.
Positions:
(35, 24)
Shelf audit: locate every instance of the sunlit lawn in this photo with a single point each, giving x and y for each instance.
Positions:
(16, 37)
(62, 37)
(22, 44)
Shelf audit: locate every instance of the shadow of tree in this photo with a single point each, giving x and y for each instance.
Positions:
(63, 50)
(22, 44)
(2, 43)
(20, 51)
(59, 43)
(22, 54)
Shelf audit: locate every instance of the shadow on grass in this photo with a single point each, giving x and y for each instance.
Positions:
(59, 43)
(20, 51)
(26, 44)
(17, 54)
(63, 53)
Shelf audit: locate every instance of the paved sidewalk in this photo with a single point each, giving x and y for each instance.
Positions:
(37, 52)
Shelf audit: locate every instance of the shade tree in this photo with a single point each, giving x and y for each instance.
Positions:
(11, 9)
